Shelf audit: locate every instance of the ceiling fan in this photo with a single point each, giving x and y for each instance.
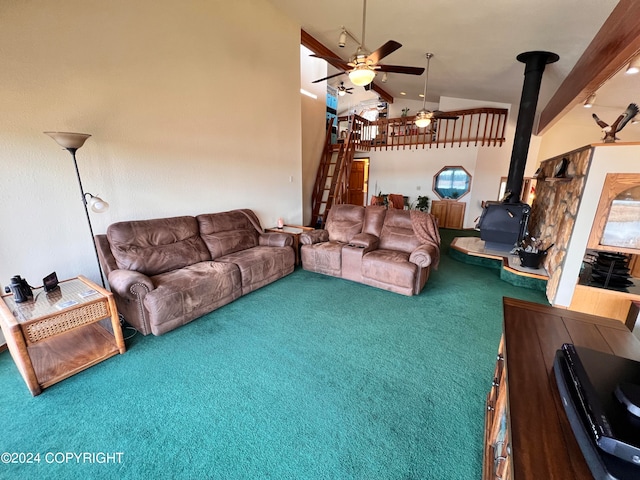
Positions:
(424, 116)
(342, 90)
(362, 65)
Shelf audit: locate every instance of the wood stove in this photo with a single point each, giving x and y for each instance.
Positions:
(503, 224)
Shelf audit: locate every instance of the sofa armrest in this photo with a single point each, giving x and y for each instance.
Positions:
(367, 241)
(314, 236)
(424, 255)
(275, 239)
(130, 284)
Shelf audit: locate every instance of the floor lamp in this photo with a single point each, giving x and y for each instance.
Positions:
(72, 142)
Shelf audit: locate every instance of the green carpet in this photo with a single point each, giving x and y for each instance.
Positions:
(311, 377)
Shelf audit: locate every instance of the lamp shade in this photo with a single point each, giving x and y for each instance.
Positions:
(423, 119)
(69, 139)
(361, 75)
(96, 204)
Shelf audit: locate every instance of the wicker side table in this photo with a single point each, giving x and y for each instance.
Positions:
(61, 333)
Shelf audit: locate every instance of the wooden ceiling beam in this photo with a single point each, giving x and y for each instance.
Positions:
(610, 50)
(319, 49)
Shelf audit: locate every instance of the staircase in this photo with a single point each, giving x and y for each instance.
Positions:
(332, 179)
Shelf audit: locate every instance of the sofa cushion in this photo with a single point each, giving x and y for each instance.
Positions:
(261, 265)
(373, 219)
(323, 258)
(344, 221)
(397, 232)
(158, 245)
(389, 267)
(229, 232)
(184, 294)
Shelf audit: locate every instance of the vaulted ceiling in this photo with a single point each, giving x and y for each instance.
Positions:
(475, 45)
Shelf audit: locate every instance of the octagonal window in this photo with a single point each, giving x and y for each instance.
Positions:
(452, 183)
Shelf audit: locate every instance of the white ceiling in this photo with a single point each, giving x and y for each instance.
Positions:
(475, 44)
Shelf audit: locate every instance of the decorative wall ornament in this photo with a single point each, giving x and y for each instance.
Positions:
(611, 130)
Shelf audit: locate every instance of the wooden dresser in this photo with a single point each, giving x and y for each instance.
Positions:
(527, 434)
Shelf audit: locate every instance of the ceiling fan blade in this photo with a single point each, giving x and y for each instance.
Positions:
(386, 49)
(334, 61)
(327, 78)
(401, 69)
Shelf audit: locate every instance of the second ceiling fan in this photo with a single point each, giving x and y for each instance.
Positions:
(362, 65)
(424, 117)
(342, 90)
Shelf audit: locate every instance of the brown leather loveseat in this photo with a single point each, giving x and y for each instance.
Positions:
(166, 272)
(389, 249)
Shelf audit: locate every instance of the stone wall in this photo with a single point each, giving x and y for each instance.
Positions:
(554, 210)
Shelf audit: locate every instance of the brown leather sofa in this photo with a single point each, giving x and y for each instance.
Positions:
(389, 249)
(166, 272)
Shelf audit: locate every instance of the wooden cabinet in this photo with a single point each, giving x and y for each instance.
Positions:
(496, 436)
(527, 433)
(449, 213)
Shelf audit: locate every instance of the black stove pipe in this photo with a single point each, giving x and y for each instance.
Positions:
(535, 63)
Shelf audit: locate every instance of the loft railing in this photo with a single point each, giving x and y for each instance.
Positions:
(473, 127)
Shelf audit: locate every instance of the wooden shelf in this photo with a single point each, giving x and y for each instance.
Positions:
(65, 355)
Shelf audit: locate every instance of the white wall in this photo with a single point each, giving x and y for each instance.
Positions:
(193, 107)
(410, 172)
(577, 129)
(313, 124)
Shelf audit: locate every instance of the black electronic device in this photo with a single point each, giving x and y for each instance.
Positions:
(607, 433)
(629, 395)
(50, 282)
(20, 289)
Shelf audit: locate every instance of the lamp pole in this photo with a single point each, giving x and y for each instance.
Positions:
(86, 211)
(72, 142)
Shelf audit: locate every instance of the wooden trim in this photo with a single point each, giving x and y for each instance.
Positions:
(537, 276)
(614, 184)
(610, 50)
(319, 49)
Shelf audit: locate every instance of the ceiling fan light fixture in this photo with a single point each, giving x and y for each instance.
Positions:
(361, 75)
(424, 116)
(588, 103)
(634, 65)
(423, 119)
(341, 92)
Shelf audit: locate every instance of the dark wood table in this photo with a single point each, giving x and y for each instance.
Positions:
(541, 442)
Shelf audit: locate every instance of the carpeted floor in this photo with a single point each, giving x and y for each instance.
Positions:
(311, 377)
